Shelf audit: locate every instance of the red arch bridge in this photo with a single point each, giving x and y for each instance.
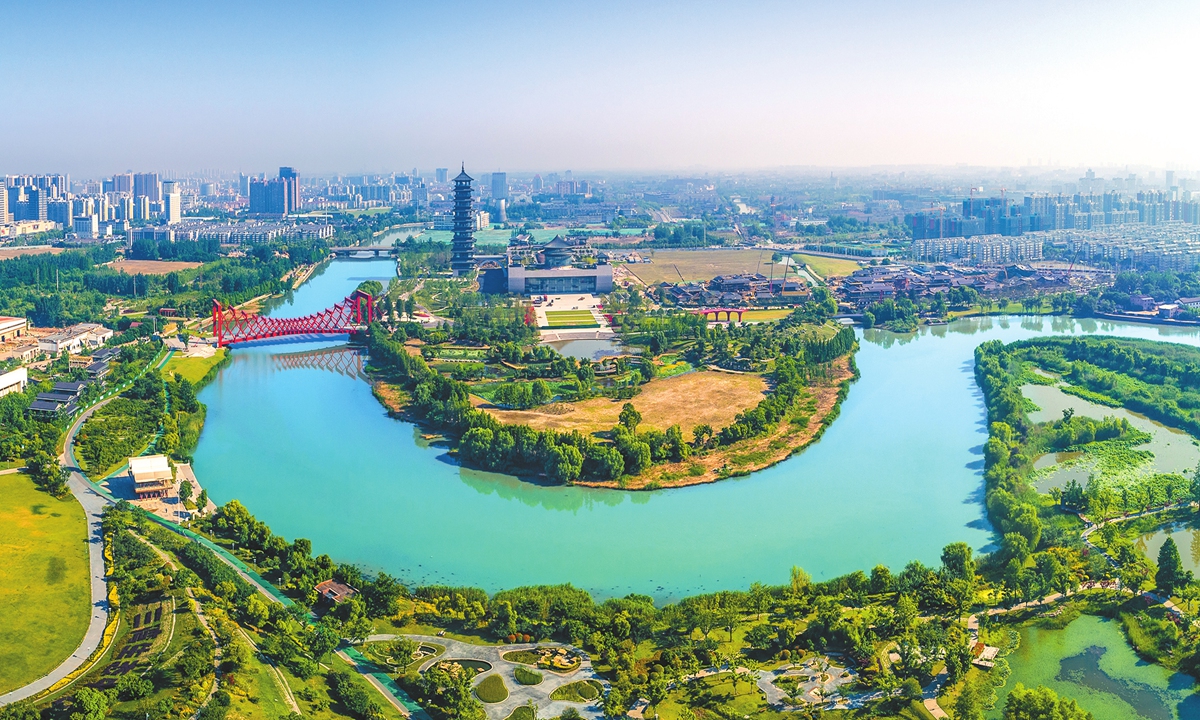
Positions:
(716, 313)
(231, 325)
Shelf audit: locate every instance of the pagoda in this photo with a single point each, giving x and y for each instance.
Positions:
(462, 247)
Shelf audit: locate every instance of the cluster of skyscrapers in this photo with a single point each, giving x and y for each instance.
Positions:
(1002, 216)
(36, 203)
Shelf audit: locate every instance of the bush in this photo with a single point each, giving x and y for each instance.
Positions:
(492, 689)
(525, 676)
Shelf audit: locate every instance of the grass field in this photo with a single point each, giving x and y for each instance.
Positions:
(570, 318)
(685, 400)
(193, 368)
(826, 266)
(45, 592)
(764, 315)
(703, 265)
(152, 267)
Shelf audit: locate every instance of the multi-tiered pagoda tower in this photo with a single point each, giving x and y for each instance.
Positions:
(462, 248)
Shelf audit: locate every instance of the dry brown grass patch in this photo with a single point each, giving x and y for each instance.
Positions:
(9, 253)
(688, 400)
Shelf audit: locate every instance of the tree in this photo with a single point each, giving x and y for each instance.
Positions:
(89, 704)
(256, 611)
(47, 474)
(185, 491)
(800, 581)
(322, 639)
(202, 501)
(957, 561)
(540, 392)
(1041, 703)
(630, 417)
(975, 699)
(564, 463)
(1171, 574)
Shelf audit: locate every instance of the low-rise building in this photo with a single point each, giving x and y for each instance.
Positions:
(12, 327)
(334, 592)
(14, 381)
(75, 338)
(152, 476)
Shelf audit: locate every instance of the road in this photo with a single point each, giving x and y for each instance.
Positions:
(93, 506)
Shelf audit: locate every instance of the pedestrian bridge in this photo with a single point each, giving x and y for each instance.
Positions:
(232, 325)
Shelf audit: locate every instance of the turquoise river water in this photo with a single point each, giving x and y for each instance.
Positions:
(895, 478)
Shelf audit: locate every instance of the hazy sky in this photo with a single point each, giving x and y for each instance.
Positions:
(93, 88)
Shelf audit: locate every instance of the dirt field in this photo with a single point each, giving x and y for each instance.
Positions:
(152, 267)
(8, 253)
(686, 400)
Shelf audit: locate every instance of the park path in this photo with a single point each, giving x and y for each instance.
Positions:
(93, 506)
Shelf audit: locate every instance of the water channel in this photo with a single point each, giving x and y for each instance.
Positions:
(895, 478)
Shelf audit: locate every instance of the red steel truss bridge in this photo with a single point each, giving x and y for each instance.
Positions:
(231, 325)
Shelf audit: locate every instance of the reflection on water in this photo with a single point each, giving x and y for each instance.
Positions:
(591, 349)
(1185, 534)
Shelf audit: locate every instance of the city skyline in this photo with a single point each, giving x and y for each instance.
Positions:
(625, 87)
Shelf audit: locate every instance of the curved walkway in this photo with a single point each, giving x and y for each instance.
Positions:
(93, 506)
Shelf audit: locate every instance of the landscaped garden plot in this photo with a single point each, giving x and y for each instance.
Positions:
(571, 318)
(44, 589)
(492, 689)
(580, 691)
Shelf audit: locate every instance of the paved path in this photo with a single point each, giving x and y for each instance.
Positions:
(518, 694)
(93, 505)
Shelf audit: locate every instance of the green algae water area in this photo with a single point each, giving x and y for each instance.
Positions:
(307, 448)
(1090, 662)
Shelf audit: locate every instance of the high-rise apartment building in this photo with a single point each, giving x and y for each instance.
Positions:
(441, 174)
(147, 185)
(4, 218)
(26, 202)
(499, 186)
(291, 183)
(59, 211)
(141, 208)
(172, 208)
(537, 183)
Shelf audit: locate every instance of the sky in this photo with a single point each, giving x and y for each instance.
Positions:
(95, 88)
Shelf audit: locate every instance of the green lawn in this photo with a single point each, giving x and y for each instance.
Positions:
(561, 318)
(193, 368)
(492, 689)
(580, 691)
(45, 592)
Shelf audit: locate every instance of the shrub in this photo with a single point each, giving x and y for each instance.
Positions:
(525, 676)
(492, 689)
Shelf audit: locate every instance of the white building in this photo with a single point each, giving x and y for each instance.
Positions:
(13, 381)
(12, 327)
(75, 338)
(152, 476)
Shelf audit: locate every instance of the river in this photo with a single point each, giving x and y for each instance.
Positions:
(895, 478)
